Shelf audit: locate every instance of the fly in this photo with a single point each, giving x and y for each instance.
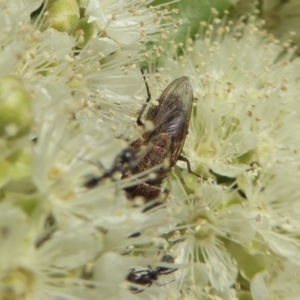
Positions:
(163, 145)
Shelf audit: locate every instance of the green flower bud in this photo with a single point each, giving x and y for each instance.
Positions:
(15, 109)
(87, 30)
(63, 15)
(82, 4)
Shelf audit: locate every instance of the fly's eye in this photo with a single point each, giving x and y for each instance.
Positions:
(168, 259)
(129, 157)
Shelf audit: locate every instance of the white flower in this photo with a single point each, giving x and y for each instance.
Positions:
(244, 142)
(127, 21)
(280, 281)
(282, 19)
(56, 232)
(203, 223)
(273, 204)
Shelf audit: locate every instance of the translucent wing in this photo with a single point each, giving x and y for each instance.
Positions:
(172, 115)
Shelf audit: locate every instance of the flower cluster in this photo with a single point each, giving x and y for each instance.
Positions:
(237, 227)
(69, 85)
(281, 17)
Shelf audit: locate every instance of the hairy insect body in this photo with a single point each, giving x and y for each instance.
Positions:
(154, 153)
(147, 191)
(159, 148)
(162, 146)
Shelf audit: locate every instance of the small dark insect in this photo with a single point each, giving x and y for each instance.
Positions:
(232, 181)
(125, 160)
(162, 145)
(146, 277)
(50, 227)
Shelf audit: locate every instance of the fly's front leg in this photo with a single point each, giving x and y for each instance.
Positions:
(138, 121)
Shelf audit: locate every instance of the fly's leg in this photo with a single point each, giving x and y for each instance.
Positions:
(138, 121)
(183, 158)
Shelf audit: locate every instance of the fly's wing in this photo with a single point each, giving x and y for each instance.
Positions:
(172, 114)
